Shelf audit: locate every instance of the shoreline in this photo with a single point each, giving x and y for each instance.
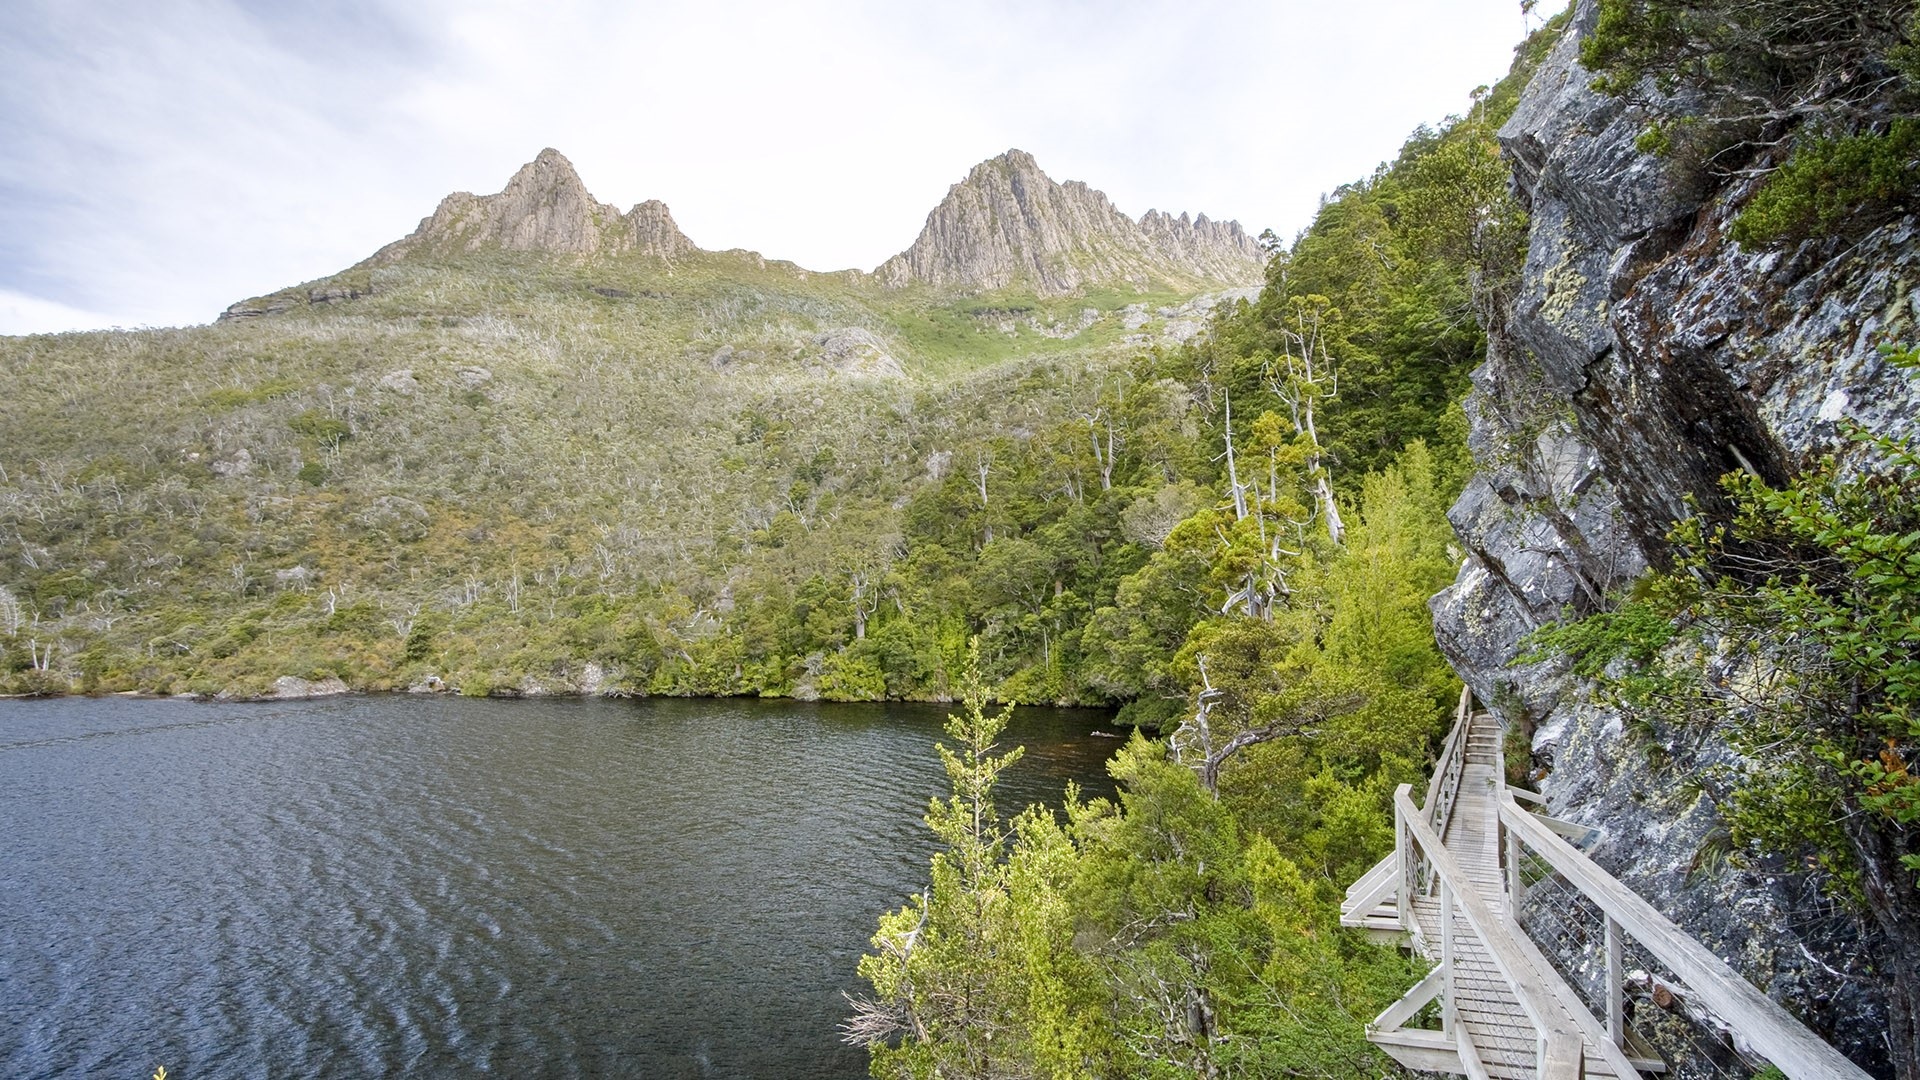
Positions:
(347, 691)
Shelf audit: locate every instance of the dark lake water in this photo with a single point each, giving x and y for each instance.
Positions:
(396, 886)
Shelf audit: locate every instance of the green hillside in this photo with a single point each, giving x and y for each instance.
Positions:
(508, 471)
(500, 469)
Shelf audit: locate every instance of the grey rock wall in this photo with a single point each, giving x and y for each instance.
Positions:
(1647, 355)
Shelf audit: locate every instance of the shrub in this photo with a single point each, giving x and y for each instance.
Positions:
(1831, 183)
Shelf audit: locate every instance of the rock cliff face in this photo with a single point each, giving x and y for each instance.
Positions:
(1647, 355)
(546, 208)
(1009, 223)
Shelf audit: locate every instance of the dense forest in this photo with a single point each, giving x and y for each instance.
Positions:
(1190, 928)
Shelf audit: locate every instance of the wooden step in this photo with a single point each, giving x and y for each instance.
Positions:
(1384, 917)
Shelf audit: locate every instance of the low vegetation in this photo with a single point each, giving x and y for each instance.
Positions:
(1819, 99)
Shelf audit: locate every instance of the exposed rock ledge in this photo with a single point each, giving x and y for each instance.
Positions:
(290, 688)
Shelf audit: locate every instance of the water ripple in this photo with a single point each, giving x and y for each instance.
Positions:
(397, 886)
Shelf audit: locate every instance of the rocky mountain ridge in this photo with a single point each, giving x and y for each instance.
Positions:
(1007, 225)
(544, 207)
(1647, 355)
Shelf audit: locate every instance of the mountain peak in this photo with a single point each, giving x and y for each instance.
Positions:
(1014, 159)
(544, 207)
(549, 173)
(1009, 223)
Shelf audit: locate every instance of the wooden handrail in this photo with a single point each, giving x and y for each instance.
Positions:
(1529, 987)
(1443, 790)
(1440, 768)
(1761, 1021)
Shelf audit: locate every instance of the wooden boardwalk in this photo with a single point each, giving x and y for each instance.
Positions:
(1449, 891)
(1485, 1004)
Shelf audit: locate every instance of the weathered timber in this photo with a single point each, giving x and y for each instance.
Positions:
(1450, 890)
(1758, 1019)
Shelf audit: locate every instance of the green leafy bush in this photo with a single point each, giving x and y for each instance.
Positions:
(1854, 181)
(1747, 61)
(320, 427)
(1732, 80)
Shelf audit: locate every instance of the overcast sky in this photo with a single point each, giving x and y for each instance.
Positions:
(160, 159)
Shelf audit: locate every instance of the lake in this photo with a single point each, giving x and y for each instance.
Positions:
(393, 885)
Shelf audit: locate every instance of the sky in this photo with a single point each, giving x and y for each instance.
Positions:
(161, 159)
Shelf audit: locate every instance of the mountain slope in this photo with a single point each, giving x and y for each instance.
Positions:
(1079, 275)
(1008, 232)
(541, 444)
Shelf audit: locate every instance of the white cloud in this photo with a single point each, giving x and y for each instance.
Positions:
(20, 314)
(159, 160)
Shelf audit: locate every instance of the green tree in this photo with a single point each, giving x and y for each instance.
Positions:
(1757, 61)
(940, 965)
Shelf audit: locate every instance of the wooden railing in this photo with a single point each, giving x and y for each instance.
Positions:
(1444, 789)
(1761, 1022)
(1569, 1035)
(1558, 1052)
(1442, 792)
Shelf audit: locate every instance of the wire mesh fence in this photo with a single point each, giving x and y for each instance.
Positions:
(1663, 1020)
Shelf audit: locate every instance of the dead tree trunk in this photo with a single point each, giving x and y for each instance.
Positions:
(864, 605)
(1309, 380)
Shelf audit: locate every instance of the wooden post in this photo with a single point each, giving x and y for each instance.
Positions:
(1446, 949)
(1403, 898)
(1616, 988)
(1561, 1057)
(1516, 888)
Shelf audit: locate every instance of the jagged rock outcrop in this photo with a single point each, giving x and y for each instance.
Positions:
(351, 285)
(1008, 223)
(859, 352)
(544, 207)
(1648, 354)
